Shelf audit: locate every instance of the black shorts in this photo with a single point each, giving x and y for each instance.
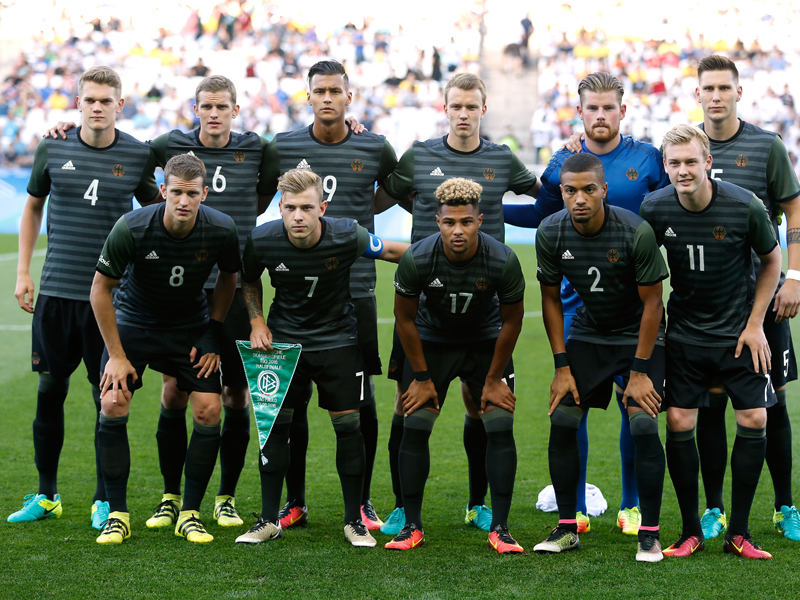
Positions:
(366, 310)
(779, 336)
(594, 367)
(397, 360)
(236, 327)
(692, 369)
(470, 362)
(64, 332)
(340, 377)
(166, 351)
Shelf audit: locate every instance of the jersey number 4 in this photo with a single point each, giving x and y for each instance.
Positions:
(91, 191)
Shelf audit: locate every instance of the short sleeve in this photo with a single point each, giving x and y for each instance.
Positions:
(147, 188)
(400, 183)
(547, 271)
(512, 282)
(159, 148)
(117, 251)
(647, 257)
(362, 237)
(251, 266)
(228, 259)
(388, 162)
(760, 232)
(406, 278)
(39, 182)
(520, 179)
(270, 170)
(781, 179)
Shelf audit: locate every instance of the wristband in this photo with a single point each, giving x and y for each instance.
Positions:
(560, 360)
(640, 365)
(422, 376)
(792, 274)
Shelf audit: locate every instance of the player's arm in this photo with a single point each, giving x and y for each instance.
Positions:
(268, 174)
(387, 164)
(548, 200)
(787, 301)
(640, 387)
(253, 293)
(398, 186)
(495, 390)
(147, 191)
(371, 246)
(60, 130)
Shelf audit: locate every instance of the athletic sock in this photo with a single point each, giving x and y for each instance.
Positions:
(172, 440)
(272, 465)
(779, 451)
(233, 448)
(369, 431)
(475, 445)
(115, 459)
(627, 456)
(48, 431)
(350, 462)
(201, 456)
(100, 486)
(415, 463)
(298, 448)
(564, 462)
(712, 446)
(747, 459)
(583, 452)
(684, 466)
(395, 438)
(650, 467)
(501, 462)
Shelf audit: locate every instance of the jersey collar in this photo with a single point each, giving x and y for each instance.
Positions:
(321, 143)
(114, 143)
(454, 151)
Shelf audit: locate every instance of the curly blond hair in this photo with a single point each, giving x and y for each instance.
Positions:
(458, 191)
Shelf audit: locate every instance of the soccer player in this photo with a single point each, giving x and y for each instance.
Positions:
(309, 258)
(90, 178)
(350, 166)
(458, 307)
(756, 160)
(164, 254)
(633, 169)
(611, 259)
(460, 153)
(716, 312)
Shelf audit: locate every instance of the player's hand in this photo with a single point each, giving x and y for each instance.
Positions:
(754, 338)
(573, 144)
(115, 378)
(417, 395)
(498, 393)
(353, 124)
(208, 363)
(563, 384)
(640, 389)
(260, 337)
(787, 302)
(24, 292)
(60, 129)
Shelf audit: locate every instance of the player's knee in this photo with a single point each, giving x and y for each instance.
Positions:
(497, 420)
(117, 409)
(566, 416)
(678, 420)
(171, 396)
(235, 397)
(755, 418)
(643, 424)
(346, 424)
(207, 410)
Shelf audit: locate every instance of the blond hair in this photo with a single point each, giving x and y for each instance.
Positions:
(185, 167)
(686, 134)
(466, 81)
(297, 181)
(458, 191)
(600, 82)
(101, 76)
(215, 83)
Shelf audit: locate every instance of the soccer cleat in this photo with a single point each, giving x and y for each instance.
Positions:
(37, 507)
(165, 513)
(117, 529)
(787, 520)
(744, 547)
(369, 517)
(262, 531)
(293, 515)
(560, 539)
(225, 512)
(502, 541)
(100, 511)
(409, 538)
(685, 546)
(649, 549)
(479, 516)
(395, 522)
(713, 523)
(584, 526)
(358, 535)
(629, 520)
(191, 527)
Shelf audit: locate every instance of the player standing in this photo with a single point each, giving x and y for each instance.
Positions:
(716, 312)
(90, 178)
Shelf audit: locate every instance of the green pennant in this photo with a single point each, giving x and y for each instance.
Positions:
(269, 373)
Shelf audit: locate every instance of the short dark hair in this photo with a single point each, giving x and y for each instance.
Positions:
(584, 162)
(185, 167)
(715, 62)
(458, 191)
(328, 67)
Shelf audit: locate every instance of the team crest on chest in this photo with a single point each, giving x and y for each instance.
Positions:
(357, 165)
(632, 174)
(482, 283)
(612, 255)
(719, 232)
(742, 160)
(201, 255)
(488, 174)
(238, 156)
(331, 263)
(118, 170)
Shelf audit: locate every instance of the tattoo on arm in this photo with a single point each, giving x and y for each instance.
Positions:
(252, 299)
(793, 236)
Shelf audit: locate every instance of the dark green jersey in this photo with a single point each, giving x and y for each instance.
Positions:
(710, 264)
(312, 285)
(349, 170)
(231, 175)
(459, 303)
(426, 165)
(163, 277)
(89, 188)
(605, 269)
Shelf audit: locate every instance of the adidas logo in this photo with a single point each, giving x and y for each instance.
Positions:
(68, 166)
(303, 164)
(437, 172)
(151, 256)
(567, 256)
(190, 153)
(669, 233)
(281, 267)
(435, 283)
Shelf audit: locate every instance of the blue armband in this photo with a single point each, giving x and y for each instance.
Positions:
(374, 248)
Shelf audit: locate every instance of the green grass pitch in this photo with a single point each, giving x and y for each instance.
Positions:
(59, 558)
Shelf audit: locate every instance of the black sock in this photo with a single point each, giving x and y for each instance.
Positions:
(415, 465)
(475, 444)
(172, 440)
(395, 438)
(747, 460)
(350, 462)
(48, 431)
(100, 486)
(233, 448)
(115, 459)
(712, 447)
(779, 451)
(201, 457)
(369, 430)
(565, 468)
(684, 466)
(501, 464)
(298, 447)
(649, 465)
(272, 465)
